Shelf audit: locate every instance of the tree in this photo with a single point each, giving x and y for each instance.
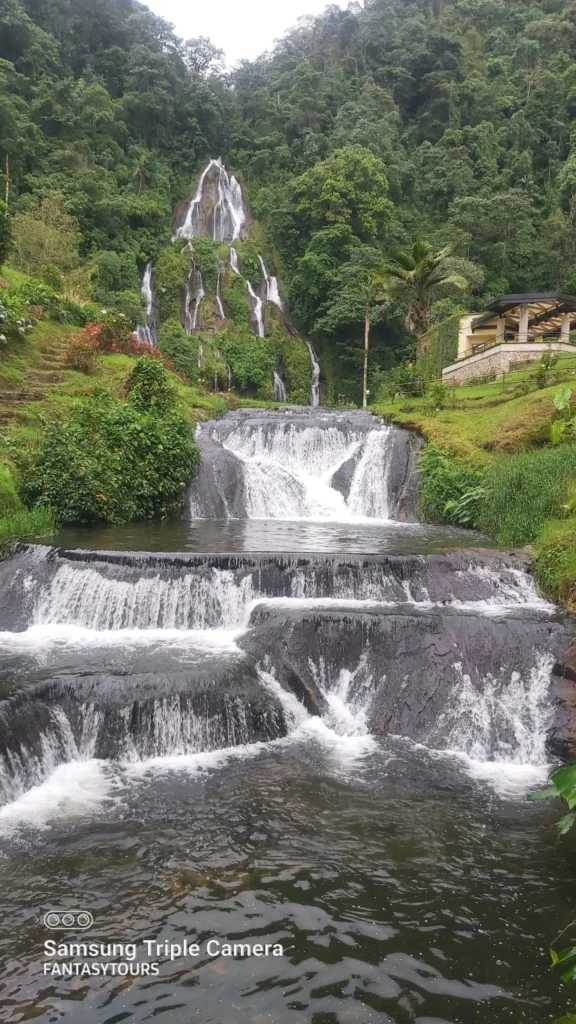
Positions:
(5, 233)
(364, 286)
(419, 274)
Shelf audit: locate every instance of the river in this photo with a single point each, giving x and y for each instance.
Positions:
(297, 717)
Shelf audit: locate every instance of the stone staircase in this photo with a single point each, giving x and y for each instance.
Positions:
(40, 377)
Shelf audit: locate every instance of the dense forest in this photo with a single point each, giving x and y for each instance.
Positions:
(365, 130)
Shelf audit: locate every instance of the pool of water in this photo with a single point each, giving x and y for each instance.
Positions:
(400, 887)
(272, 535)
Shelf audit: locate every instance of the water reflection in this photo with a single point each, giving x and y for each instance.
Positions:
(272, 535)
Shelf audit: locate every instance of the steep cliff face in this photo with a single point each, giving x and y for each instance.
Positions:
(214, 280)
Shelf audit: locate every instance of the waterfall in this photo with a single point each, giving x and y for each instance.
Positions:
(229, 372)
(272, 293)
(188, 654)
(315, 392)
(229, 216)
(146, 331)
(219, 305)
(194, 295)
(234, 260)
(288, 472)
(258, 309)
(279, 388)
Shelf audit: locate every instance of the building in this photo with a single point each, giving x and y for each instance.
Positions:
(515, 329)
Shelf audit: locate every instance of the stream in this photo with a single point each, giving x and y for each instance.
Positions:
(295, 717)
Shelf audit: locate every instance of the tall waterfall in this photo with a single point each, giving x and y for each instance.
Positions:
(272, 292)
(315, 391)
(279, 389)
(258, 309)
(234, 260)
(228, 217)
(146, 332)
(219, 305)
(193, 297)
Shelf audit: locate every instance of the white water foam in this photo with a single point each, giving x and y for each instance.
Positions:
(84, 597)
(74, 790)
(288, 472)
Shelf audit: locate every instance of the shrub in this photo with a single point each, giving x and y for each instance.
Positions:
(113, 330)
(446, 487)
(82, 354)
(555, 561)
(150, 389)
(407, 379)
(236, 300)
(16, 319)
(181, 349)
(171, 271)
(251, 360)
(524, 490)
(110, 462)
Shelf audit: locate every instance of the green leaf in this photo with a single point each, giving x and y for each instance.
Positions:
(565, 824)
(563, 956)
(551, 793)
(557, 429)
(562, 398)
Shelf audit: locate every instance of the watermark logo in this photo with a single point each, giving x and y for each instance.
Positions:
(66, 920)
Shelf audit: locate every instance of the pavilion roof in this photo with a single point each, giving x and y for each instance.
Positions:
(546, 310)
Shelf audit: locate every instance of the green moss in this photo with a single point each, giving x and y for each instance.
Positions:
(249, 263)
(236, 300)
(205, 255)
(172, 269)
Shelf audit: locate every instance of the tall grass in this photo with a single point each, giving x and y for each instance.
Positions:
(27, 524)
(9, 500)
(555, 561)
(523, 491)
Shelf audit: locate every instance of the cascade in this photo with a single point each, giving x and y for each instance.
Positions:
(219, 305)
(315, 392)
(272, 292)
(234, 260)
(146, 331)
(228, 215)
(405, 645)
(193, 297)
(279, 389)
(258, 309)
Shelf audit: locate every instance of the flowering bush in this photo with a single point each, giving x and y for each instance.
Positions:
(15, 318)
(82, 354)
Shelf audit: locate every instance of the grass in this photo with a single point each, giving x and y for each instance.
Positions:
(477, 426)
(555, 561)
(26, 524)
(522, 492)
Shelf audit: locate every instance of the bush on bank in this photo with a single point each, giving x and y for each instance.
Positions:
(114, 461)
(525, 498)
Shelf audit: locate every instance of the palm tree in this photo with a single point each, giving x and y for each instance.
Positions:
(373, 287)
(419, 273)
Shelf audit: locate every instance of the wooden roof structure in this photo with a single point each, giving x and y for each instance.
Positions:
(546, 311)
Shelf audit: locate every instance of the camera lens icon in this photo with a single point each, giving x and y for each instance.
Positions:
(66, 920)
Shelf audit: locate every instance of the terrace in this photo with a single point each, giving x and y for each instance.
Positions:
(514, 330)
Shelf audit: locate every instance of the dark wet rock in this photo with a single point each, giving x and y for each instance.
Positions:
(415, 666)
(217, 491)
(566, 665)
(33, 579)
(131, 717)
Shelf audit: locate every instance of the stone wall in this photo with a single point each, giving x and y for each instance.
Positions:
(500, 359)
